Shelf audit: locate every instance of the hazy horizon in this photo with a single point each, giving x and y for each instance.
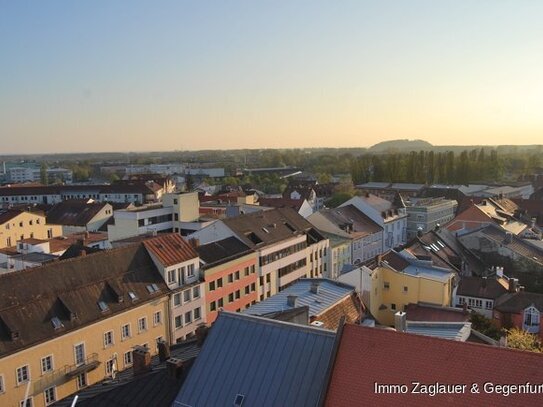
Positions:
(169, 75)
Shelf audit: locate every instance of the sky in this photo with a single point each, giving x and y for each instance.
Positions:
(186, 75)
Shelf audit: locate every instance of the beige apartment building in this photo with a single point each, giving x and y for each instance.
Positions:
(77, 323)
(16, 224)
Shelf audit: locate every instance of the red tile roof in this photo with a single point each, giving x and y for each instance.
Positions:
(170, 249)
(370, 355)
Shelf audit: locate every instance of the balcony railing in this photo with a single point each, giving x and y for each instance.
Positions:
(91, 362)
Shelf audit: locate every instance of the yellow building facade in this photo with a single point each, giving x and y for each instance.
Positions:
(57, 368)
(392, 291)
(16, 225)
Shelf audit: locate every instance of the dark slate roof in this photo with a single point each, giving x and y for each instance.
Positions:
(479, 287)
(270, 363)
(155, 388)
(78, 250)
(362, 225)
(269, 227)
(74, 212)
(8, 214)
(222, 251)
(72, 287)
(519, 301)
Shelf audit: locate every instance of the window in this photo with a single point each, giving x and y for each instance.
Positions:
(531, 316)
(386, 285)
(79, 352)
(109, 367)
(231, 297)
(238, 294)
(405, 289)
(212, 286)
(247, 289)
(178, 321)
(190, 270)
(188, 317)
(196, 292)
(253, 269)
(103, 306)
(393, 307)
(23, 374)
(50, 395)
(29, 402)
(197, 314)
(47, 364)
(171, 276)
(142, 324)
(219, 282)
(221, 302)
(128, 359)
(177, 300)
(186, 296)
(246, 271)
(488, 304)
(230, 278)
(108, 339)
(125, 331)
(157, 318)
(237, 275)
(82, 380)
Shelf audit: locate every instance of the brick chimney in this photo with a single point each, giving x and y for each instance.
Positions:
(174, 368)
(142, 360)
(163, 350)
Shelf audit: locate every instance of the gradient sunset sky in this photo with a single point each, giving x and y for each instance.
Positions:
(184, 75)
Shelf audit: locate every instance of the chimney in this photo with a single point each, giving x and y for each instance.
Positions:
(141, 360)
(201, 334)
(513, 284)
(163, 350)
(194, 242)
(174, 368)
(508, 237)
(291, 300)
(400, 321)
(315, 287)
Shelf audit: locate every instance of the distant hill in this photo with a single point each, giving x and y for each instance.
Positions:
(401, 145)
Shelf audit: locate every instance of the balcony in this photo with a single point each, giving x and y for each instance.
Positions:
(91, 363)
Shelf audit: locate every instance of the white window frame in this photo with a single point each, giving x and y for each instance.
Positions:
(29, 402)
(171, 276)
(78, 380)
(107, 364)
(129, 335)
(43, 371)
(128, 364)
(75, 353)
(140, 329)
(109, 339)
(157, 321)
(27, 374)
(48, 403)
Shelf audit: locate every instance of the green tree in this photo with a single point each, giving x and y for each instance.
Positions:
(519, 339)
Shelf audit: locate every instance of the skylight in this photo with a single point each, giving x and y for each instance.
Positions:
(152, 288)
(239, 400)
(132, 296)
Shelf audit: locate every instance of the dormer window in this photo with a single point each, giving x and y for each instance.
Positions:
(57, 324)
(103, 306)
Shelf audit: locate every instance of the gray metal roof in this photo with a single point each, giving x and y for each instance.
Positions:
(330, 293)
(457, 331)
(270, 363)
